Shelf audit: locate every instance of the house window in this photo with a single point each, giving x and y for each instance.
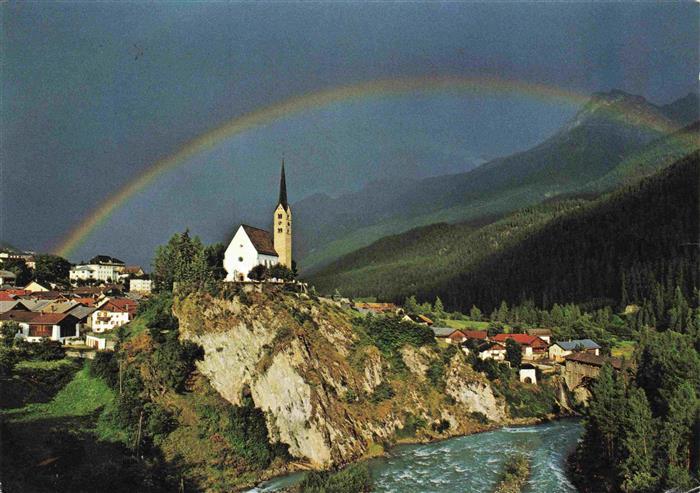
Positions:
(240, 259)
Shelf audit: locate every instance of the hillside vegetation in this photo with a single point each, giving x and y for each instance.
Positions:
(575, 250)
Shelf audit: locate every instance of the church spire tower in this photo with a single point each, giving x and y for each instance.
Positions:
(282, 224)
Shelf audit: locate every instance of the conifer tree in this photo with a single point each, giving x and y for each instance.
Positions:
(636, 468)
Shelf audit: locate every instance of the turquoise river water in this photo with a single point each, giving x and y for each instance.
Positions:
(470, 464)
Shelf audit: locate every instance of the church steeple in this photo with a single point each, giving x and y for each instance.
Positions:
(282, 224)
(283, 189)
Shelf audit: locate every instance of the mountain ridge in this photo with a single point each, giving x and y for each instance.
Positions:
(608, 127)
(551, 250)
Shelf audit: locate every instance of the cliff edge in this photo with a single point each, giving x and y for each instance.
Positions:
(334, 386)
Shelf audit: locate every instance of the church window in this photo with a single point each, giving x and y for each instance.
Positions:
(279, 216)
(240, 259)
(279, 230)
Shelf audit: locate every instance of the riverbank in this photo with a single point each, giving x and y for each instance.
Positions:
(469, 463)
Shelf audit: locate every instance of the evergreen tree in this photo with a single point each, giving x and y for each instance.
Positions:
(677, 433)
(514, 353)
(438, 308)
(411, 305)
(638, 444)
(502, 315)
(603, 412)
(475, 314)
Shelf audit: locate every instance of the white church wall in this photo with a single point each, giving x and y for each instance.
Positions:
(241, 256)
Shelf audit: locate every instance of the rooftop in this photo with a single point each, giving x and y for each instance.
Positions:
(577, 343)
(262, 240)
(594, 360)
(525, 339)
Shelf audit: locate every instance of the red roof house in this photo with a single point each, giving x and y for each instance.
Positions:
(532, 346)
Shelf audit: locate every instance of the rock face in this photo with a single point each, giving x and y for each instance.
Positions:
(319, 387)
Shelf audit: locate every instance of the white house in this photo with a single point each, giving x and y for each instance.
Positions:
(249, 247)
(112, 314)
(140, 286)
(495, 351)
(100, 268)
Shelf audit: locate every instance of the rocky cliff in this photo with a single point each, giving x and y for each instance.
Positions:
(327, 390)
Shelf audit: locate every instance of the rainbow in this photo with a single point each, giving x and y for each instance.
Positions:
(240, 124)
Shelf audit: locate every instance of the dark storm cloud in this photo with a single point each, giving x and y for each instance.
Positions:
(94, 93)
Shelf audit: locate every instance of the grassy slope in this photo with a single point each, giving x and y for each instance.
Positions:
(81, 397)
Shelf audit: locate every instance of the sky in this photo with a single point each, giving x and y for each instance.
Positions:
(94, 93)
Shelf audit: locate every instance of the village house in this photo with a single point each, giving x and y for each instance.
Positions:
(579, 368)
(102, 268)
(83, 315)
(35, 327)
(493, 350)
(133, 271)
(113, 313)
(560, 349)
(35, 287)
(59, 306)
(458, 336)
(448, 335)
(544, 334)
(7, 278)
(143, 286)
(252, 246)
(532, 346)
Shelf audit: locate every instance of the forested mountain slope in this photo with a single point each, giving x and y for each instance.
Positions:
(608, 129)
(557, 252)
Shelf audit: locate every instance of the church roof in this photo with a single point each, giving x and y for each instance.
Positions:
(262, 240)
(283, 189)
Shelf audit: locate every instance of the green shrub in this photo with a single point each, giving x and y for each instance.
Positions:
(45, 350)
(8, 360)
(247, 433)
(8, 330)
(441, 426)
(382, 392)
(159, 422)
(106, 367)
(350, 396)
(355, 478)
(175, 360)
(157, 311)
(528, 402)
(515, 474)
(411, 426)
(434, 373)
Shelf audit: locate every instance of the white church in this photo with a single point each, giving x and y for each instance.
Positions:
(251, 246)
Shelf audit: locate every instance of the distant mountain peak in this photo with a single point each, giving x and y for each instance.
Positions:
(622, 107)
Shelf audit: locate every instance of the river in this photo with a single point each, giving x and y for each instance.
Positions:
(470, 464)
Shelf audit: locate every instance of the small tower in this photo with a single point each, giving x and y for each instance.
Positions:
(282, 225)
